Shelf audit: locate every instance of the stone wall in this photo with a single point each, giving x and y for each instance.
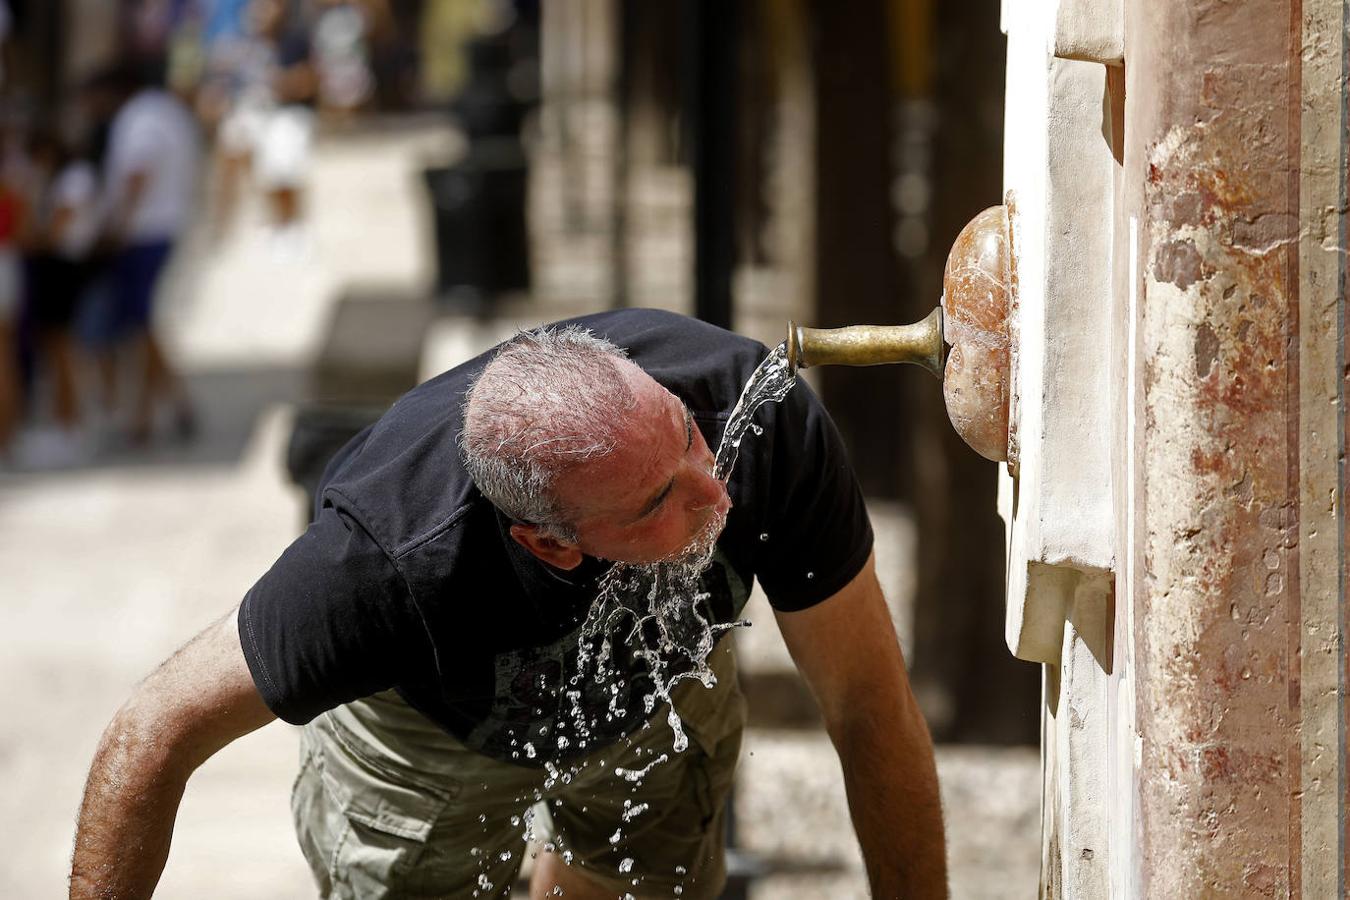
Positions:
(1194, 729)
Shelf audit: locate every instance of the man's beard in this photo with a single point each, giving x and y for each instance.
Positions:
(698, 553)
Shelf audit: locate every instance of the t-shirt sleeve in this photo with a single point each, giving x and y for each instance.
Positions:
(140, 145)
(817, 535)
(330, 622)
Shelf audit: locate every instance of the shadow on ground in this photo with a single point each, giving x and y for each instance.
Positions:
(228, 405)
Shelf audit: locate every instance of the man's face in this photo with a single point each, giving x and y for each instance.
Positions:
(654, 498)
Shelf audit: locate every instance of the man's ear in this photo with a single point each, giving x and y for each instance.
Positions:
(559, 554)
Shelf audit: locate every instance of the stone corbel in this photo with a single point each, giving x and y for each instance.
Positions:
(1091, 30)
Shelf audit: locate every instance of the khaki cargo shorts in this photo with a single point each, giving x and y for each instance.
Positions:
(388, 805)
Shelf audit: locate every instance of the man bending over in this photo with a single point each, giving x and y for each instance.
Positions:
(425, 630)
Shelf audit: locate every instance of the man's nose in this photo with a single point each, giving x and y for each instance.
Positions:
(712, 493)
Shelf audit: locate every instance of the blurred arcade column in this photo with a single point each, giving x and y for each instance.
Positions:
(947, 77)
(54, 43)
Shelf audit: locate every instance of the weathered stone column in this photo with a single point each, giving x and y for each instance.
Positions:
(1233, 212)
(1175, 498)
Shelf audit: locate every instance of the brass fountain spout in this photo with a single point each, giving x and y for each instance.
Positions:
(919, 343)
(979, 300)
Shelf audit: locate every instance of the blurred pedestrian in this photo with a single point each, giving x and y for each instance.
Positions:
(269, 125)
(150, 178)
(342, 56)
(59, 240)
(232, 99)
(283, 150)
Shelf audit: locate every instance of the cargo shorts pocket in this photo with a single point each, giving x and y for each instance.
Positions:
(362, 824)
(715, 741)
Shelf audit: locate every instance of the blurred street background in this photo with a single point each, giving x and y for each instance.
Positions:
(315, 204)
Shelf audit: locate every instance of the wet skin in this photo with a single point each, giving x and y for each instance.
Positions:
(650, 499)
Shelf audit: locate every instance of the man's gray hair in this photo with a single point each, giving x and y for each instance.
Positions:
(550, 399)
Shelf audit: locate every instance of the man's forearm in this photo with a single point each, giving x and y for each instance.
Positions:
(126, 819)
(119, 223)
(198, 701)
(892, 785)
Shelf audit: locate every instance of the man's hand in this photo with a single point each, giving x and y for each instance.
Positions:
(846, 649)
(117, 230)
(195, 703)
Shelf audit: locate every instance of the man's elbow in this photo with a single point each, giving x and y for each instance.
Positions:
(144, 737)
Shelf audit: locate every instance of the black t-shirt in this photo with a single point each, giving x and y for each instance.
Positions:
(408, 578)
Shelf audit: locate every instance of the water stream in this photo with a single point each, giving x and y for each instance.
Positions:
(654, 609)
(653, 615)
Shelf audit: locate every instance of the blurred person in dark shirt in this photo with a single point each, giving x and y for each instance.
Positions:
(59, 241)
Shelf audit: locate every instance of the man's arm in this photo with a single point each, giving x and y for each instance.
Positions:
(195, 703)
(846, 649)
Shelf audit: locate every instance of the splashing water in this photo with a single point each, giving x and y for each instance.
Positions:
(771, 382)
(650, 626)
(655, 610)
(636, 775)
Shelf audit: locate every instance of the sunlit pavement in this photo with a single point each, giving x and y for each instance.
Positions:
(108, 567)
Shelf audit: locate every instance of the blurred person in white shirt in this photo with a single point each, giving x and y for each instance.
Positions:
(269, 125)
(282, 152)
(150, 176)
(342, 55)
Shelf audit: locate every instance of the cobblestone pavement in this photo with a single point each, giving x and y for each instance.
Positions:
(109, 567)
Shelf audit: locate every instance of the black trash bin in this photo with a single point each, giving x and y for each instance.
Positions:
(489, 106)
(482, 247)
